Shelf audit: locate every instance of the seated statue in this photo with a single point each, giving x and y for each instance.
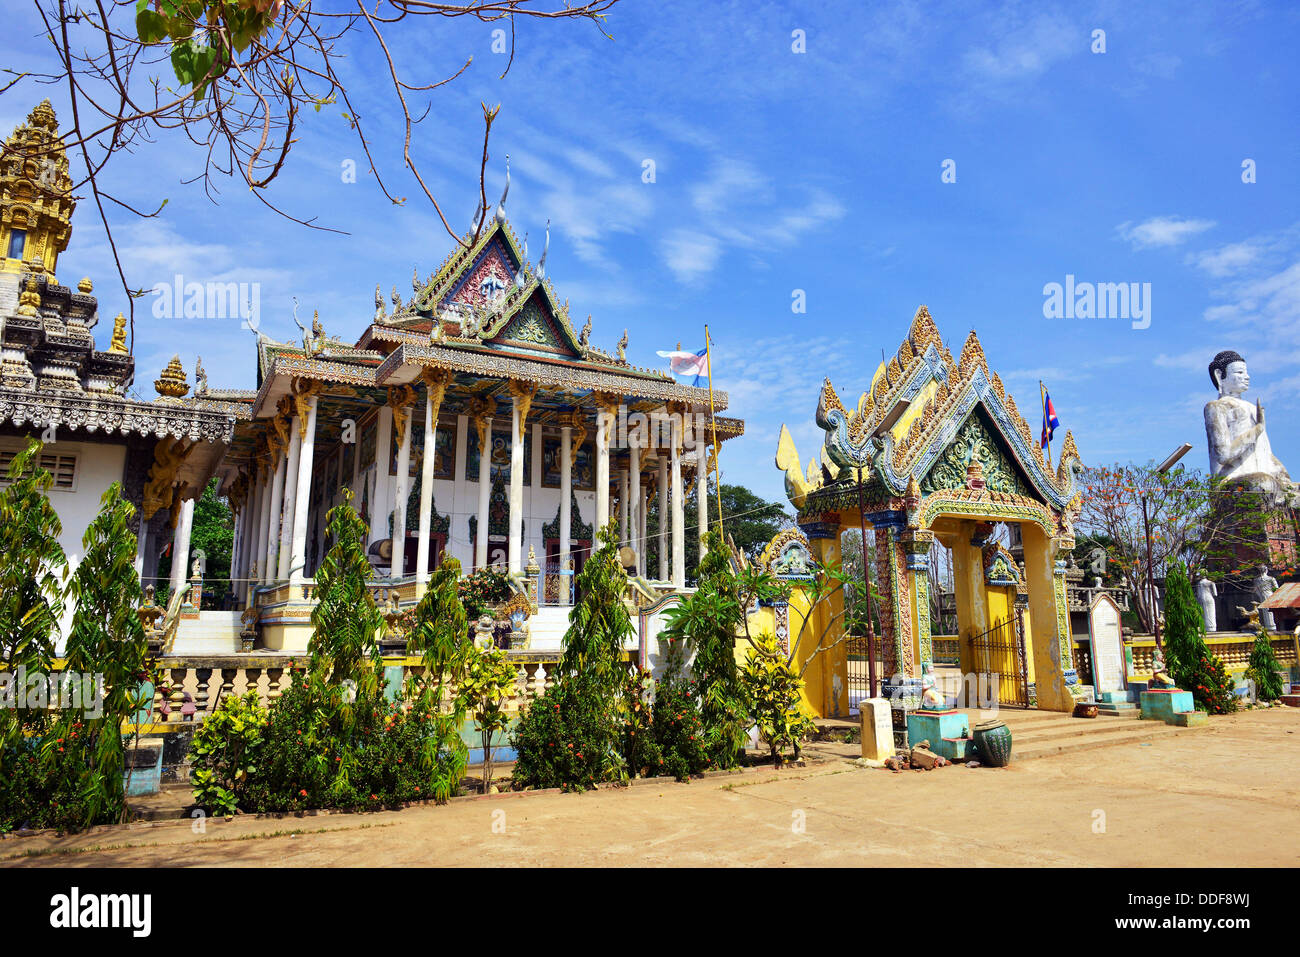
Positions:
(1160, 679)
(1239, 448)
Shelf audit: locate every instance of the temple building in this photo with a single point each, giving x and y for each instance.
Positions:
(472, 420)
(59, 386)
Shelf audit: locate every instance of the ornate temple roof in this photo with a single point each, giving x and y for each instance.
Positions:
(53, 372)
(947, 415)
(485, 313)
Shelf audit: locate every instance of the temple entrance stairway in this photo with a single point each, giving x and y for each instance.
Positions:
(1037, 734)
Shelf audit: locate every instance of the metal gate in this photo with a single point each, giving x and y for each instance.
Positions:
(1000, 651)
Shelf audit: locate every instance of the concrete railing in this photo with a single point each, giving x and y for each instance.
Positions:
(195, 686)
(1232, 649)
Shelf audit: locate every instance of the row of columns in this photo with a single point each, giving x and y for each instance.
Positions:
(272, 524)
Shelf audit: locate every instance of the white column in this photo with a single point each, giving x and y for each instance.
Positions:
(263, 535)
(679, 515)
(566, 506)
(514, 564)
(642, 507)
(484, 492)
(181, 545)
(302, 494)
(663, 516)
(273, 536)
(634, 502)
(603, 420)
(283, 513)
(401, 491)
(355, 484)
(622, 508)
(141, 546)
(253, 528)
(702, 492)
(380, 505)
(426, 494)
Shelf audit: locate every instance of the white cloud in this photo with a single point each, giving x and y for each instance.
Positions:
(729, 178)
(1025, 51)
(690, 254)
(1161, 231)
(1226, 259)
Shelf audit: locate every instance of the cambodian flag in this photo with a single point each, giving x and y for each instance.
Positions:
(687, 363)
(1050, 422)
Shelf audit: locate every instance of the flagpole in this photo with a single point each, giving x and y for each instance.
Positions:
(1047, 431)
(713, 428)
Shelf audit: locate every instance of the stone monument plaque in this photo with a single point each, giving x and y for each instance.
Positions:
(1107, 645)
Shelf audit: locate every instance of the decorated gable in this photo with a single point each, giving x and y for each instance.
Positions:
(534, 326)
(977, 441)
(488, 280)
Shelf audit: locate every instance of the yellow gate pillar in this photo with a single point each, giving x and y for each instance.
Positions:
(826, 683)
(1057, 681)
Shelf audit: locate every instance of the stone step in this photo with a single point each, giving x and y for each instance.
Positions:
(1092, 730)
(1134, 736)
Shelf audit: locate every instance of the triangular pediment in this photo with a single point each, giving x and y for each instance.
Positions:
(977, 439)
(534, 326)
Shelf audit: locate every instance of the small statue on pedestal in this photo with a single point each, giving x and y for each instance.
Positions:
(1206, 592)
(1261, 589)
(1159, 677)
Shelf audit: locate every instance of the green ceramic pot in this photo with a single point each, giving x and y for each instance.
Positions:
(993, 742)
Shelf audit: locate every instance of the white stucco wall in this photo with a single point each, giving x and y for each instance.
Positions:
(98, 466)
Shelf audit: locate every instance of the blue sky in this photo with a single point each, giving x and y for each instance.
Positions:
(820, 171)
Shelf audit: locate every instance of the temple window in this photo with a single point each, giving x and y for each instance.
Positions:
(17, 240)
(61, 465)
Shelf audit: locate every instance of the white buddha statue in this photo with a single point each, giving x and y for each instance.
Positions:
(1239, 448)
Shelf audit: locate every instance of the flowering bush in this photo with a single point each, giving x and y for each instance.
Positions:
(774, 690)
(481, 589)
(565, 740)
(678, 731)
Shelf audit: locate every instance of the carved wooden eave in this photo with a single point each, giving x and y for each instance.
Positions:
(194, 420)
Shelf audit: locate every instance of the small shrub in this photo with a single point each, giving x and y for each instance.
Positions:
(1264, 667)
(226, 751)
(482, 588)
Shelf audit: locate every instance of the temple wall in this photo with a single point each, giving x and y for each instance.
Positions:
(99, 465)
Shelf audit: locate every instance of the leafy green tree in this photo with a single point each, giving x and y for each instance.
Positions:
(705, 624)
(346, 620)
(599, 623)
(774, 690)
(32, 565)
(570, 736)
(439, 632)
(1264, 668)
(485, 686)
(107, 639)
(1190, 662)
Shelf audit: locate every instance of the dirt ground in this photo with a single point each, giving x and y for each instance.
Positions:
(1229, 790)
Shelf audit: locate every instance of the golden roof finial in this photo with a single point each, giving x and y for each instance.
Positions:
(86, 286)
(172, 383)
